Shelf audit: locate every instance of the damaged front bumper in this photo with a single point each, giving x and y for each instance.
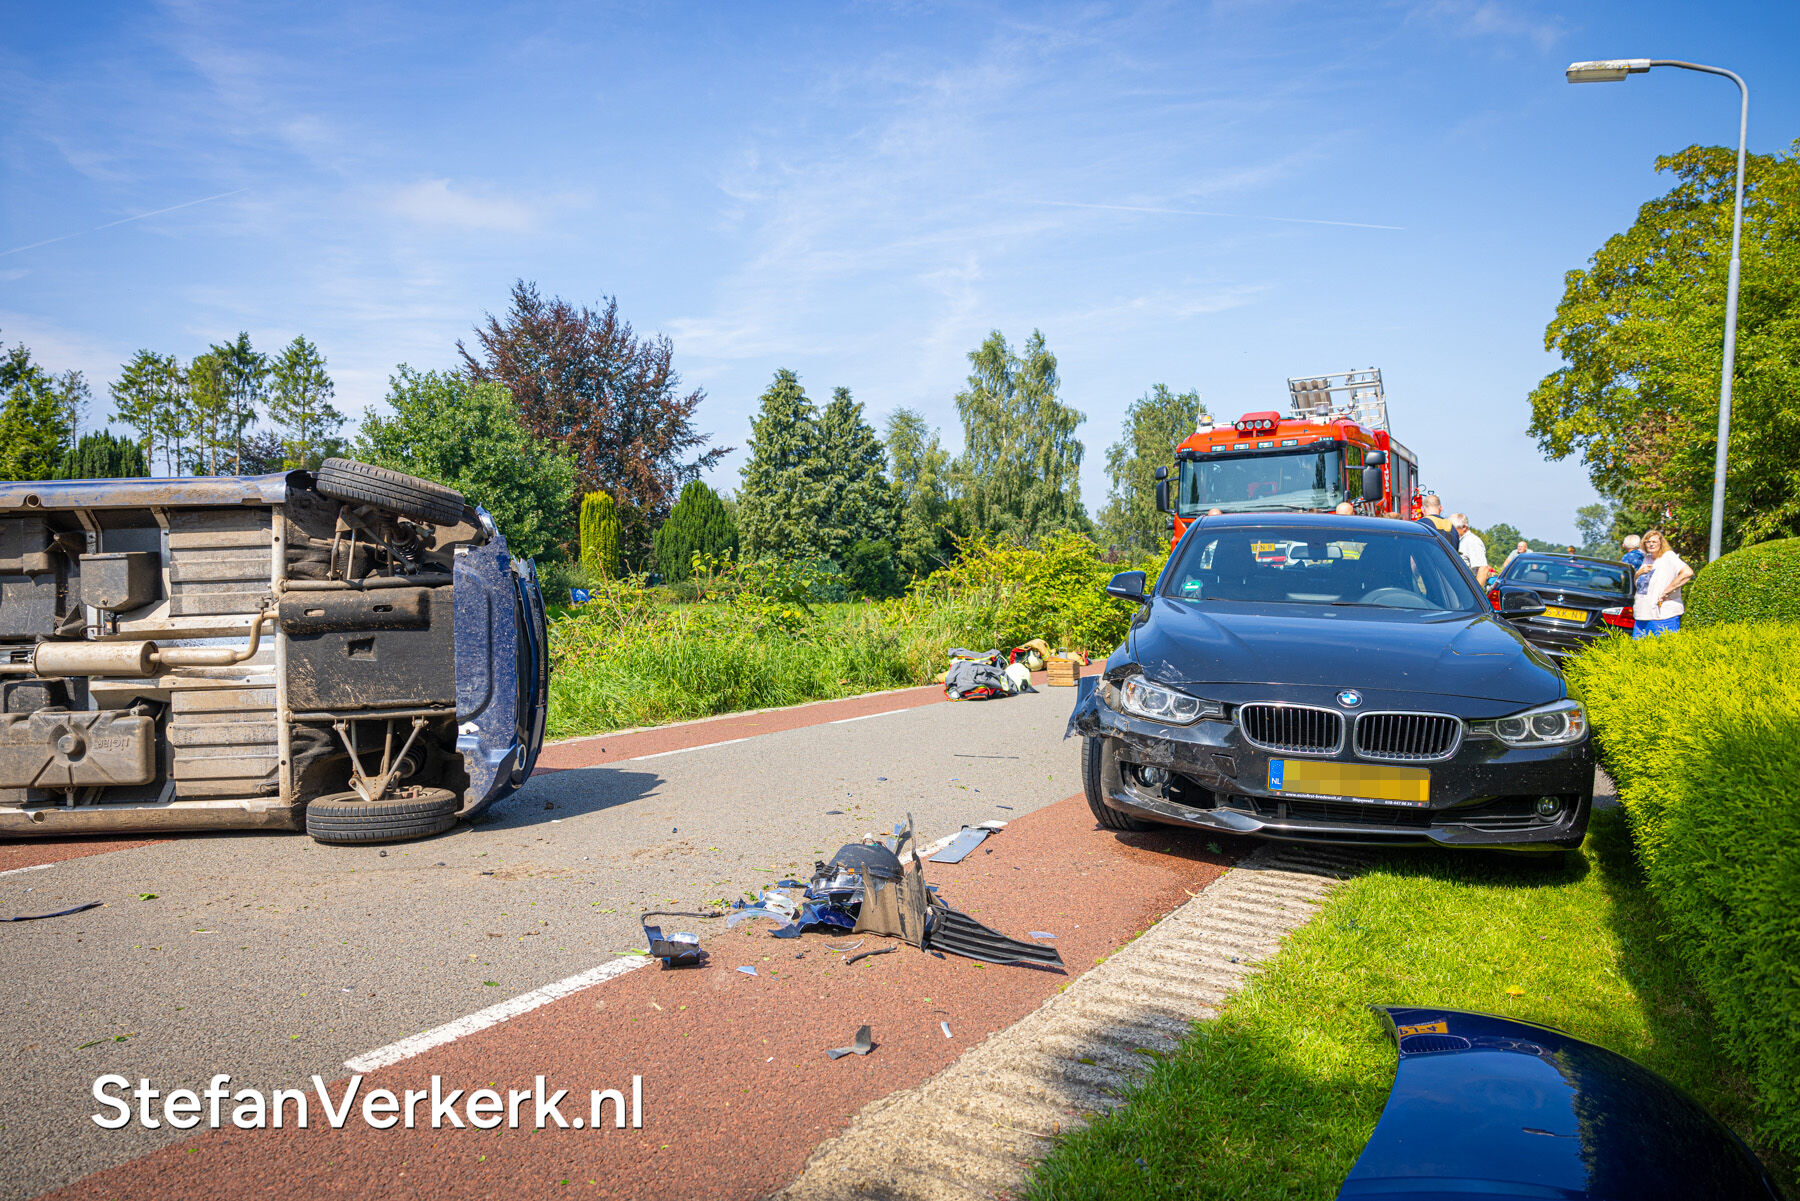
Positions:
(1207, 776)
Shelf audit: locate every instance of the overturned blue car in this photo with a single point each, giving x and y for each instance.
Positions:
(350, 651)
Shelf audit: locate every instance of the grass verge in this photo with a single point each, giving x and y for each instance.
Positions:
(1277, 1097)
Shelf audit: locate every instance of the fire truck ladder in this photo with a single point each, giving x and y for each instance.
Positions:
(1357, 395)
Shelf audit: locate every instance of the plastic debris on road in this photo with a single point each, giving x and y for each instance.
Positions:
(959, 847)
(865, 954)
(946, 1026)
(862, 1045)
(747, 970)
(676, 949)
(35, 917)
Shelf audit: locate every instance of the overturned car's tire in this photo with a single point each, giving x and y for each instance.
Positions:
(1093, 755)
(407, 495)
(344, 817)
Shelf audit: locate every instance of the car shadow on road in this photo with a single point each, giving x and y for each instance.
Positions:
(561, 794)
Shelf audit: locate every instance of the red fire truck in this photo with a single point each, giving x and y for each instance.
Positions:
(1334, 446)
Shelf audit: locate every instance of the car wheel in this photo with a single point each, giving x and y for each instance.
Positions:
(346, 819)
(407, 495)
(1094, 755)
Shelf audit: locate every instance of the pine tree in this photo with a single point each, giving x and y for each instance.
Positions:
(600, 535)
(209, 410)
(245, 377)
(140, 395)
(781, 500)
(1155, 424)
(698, 524)
(852, 465)
(103, 456)
(34, 426)
(922, 540)
(300, 403)
(1019, 472)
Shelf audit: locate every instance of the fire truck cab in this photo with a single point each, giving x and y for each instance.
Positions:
(1334, 446)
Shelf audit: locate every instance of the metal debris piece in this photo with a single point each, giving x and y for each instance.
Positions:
(747, 970)
(675, 949)
(32, 917)
(861, 1046)
(865, 954)
(1041, 934)
(946, 1026)
(958, 848)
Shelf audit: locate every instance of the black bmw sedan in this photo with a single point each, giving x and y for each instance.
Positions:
(1569, 600)
(1361, 691)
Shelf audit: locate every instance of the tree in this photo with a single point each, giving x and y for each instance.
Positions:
(1640, 333)
(1019, 470)
(584, 380)
(144, 393)
(208, 414)
(781, 501)
(851, 466)
(300, 403)
(260, 453)
(1155, 424)
(466, 433)
(245, 379)
(871, 569)
(699, 524)
(35, 426)
(921, 493)
(73, 394)
(600, 535)
(103, 456)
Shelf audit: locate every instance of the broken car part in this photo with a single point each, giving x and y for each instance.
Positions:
(677, 949)
(958, 848)
(1489, 1107)
(956, 933)
(865, 954)
(861, 1045)
(251, 651)
(34, 917)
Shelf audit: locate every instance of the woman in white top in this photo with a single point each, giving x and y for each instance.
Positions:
(1658, 608)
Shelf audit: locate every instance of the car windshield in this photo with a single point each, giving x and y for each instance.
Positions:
(1361, 566)
(1572, 574)
(1311, 479)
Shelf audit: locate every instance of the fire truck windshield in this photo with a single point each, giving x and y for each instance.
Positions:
(1245, 483)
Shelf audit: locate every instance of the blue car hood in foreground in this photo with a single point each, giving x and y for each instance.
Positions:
(1351, 646)
(1484, 1107)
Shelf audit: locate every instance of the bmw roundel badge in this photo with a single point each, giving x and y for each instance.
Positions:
(1349, 698)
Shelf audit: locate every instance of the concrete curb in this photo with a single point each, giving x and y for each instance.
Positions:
(973, 1130)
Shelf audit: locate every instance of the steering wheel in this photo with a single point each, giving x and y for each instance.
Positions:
(1396, 598)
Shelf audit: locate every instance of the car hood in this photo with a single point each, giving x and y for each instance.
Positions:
(1373, 649)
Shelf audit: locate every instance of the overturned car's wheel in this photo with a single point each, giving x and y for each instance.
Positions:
(1094, 757)
(407, 495)
(344, 817)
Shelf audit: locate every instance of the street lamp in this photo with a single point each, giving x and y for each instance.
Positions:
(1611, 71)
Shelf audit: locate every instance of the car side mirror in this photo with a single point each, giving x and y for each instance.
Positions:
(1375, 458)
(1128, 585)
(1371, 483)
(1524, 603)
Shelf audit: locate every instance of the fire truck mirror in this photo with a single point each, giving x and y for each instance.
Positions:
(1375, 458)
(1162, 494)
(1371, 483)
(1162, 473)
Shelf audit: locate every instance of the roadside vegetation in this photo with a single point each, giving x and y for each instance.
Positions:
(754, 635)
(1277, 1097)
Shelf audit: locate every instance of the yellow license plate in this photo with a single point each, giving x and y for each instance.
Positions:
(1564, 614)
(1358, 781)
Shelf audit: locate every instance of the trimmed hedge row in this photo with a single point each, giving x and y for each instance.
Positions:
(1757, 583)
(1700, 730)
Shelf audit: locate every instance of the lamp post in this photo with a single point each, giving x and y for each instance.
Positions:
(1611, 71)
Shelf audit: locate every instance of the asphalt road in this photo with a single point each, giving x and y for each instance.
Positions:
(271, 958)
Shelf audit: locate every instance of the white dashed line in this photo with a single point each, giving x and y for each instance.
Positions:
(865, 717)
(682, 750)
(493, 1015)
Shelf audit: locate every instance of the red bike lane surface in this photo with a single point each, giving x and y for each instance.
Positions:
(736, 1085)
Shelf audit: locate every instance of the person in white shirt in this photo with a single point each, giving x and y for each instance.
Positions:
(1658, 607)
(1518, 550)
(1472, 548)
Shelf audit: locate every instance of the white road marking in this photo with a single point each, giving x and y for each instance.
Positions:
(682, 750)
(36, 867)
(493, 1015)
(865, 717)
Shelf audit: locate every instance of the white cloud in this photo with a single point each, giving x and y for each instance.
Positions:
(433, 202)
(1491, 19)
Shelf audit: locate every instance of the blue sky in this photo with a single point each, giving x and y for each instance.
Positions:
(1213, 196)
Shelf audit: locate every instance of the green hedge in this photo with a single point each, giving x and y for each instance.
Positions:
(1758, 583)
(1700, 730)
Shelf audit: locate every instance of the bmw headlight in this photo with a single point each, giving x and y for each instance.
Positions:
(1549, 725)
(1140, 698)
